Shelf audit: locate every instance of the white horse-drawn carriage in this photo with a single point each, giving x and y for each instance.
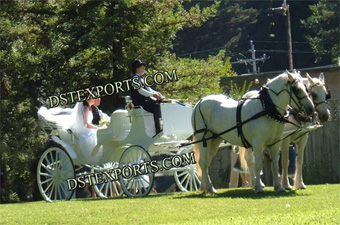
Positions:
(128, 140)
(256, 121)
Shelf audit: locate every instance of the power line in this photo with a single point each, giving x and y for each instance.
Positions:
(282, 42)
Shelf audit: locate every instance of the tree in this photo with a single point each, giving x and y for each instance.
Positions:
(221, 32)
(324, 27)
(51, 47)
(196, 77)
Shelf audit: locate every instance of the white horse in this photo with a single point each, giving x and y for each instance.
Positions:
(316, 89)
(216, 118)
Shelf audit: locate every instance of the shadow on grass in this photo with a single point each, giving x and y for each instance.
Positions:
(242, 193)
(157, 195)
(222, 193)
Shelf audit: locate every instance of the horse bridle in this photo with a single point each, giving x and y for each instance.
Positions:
(310, 93)
(298, 99)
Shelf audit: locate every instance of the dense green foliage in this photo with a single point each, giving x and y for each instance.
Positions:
(196, 77)
(324, 26)
(51, 47)
(237, 92)
(319, 204)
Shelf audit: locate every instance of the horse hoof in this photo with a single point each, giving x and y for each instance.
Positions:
(288, 187)
(280, 189)
(259, 190)
(300, 187)
(212, 191)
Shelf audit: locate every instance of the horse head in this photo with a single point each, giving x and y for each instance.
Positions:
(317, 90)
(300, 97)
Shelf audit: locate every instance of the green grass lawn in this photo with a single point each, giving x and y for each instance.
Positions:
(319, 204)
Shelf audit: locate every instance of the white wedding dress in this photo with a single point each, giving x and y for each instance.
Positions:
(87, 136)
(73, 119)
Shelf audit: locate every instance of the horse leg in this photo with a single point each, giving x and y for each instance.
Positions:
(285, 163)
(212, 150)
(258, 154)
(274, 155)
(206, 155)
(300, 149)
(233, 182)
(251, 167)
(202, 164)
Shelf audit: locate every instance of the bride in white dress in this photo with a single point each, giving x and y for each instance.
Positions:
(85, 130)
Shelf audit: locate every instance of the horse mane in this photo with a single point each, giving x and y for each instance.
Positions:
(281, 76)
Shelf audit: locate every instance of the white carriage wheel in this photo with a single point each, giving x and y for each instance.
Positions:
(108, 189)
(187, 179)
(139, 185)
(54, 168)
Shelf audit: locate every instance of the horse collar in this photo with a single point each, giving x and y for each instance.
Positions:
(269, 107)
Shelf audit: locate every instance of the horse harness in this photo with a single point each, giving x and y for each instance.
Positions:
(269, 109)
(328, 94)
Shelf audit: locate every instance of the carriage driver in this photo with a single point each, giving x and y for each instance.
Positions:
(145, 96)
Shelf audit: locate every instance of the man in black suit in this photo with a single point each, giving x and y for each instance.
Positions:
(143, 95)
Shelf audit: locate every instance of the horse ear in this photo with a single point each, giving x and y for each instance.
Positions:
(322, 78)
(310, 80)
(290, 75)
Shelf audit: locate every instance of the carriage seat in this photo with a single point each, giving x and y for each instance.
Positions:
(134, 111)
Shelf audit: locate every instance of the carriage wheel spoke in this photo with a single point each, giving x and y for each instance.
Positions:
(181, 173)
(59, 192)
(148, 182)
(184, 179)
(191, 184)
(46, 168)
(111, 189)
(51, 191)
(129, 158)
(105, 190)
(48, 186)
(47, 180)
(101, 188)
(115, 188)
(55, 193)
(195, 183)
(136, 157)
(48, 161)
(128, 183)
(52, 159)
(45, 174)
(187, 183)
(63, 188)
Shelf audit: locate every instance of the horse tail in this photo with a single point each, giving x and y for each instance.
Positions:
(242, 153)
(197, 158)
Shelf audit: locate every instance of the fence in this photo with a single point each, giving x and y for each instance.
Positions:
(322, 153)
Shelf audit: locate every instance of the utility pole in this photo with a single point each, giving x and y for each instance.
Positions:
(284, 11)
(253, 61)
(252, 50)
